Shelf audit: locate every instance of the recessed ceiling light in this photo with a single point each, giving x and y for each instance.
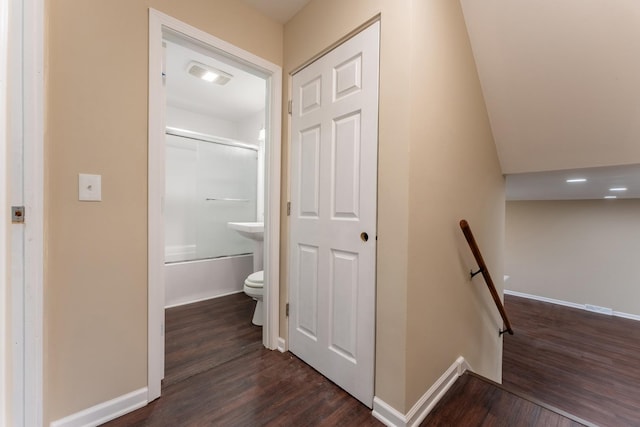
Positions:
(610, 197)
(618, 189)
(572, 180)
(208, 74)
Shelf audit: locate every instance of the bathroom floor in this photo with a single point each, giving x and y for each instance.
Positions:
(206, 334)
(218, 373)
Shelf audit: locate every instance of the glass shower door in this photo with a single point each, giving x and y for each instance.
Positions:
(208, 184)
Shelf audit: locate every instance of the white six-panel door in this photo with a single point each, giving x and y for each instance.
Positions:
(334, 146)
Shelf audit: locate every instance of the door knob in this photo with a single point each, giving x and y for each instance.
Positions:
(364, 236)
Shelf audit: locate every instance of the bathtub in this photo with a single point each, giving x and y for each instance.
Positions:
(192, 281)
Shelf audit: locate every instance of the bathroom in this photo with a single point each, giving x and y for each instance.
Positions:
(214, 172)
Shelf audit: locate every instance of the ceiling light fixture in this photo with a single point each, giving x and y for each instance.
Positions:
(208, 74)
(618, 189)
(577, 180)
(610, 197)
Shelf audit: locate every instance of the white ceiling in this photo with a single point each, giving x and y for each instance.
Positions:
(278, 10)
(553, 185)
(244, 95)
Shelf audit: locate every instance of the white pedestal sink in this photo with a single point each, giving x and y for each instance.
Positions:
(255, 232)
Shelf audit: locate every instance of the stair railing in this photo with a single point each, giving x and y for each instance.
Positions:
(485, 273)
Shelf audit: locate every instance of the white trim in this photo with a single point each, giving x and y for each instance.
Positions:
(5, 308)
(16, 190)
(273, 169)
(106, 411)
(26, 60)
(203, 299)
(156, 284)
(570, 304)
(387, 414)
(157, 22)
(394, 418)
(626, 315)
(544, 299)
(33, 83)
(282, 345)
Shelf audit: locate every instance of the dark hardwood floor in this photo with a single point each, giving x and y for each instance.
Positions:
(218, 374)
(584, 363)
(207, 334)
(473, 402)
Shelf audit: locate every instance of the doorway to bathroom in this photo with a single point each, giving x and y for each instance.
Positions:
(214, 159)
(214, 172)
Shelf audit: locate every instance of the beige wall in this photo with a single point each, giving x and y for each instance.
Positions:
(437, 164)
(454, 174)
(317, 27)
(96, 267)
(580, 251)
(433, 135)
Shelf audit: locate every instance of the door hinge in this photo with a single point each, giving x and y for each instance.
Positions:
(286, 310)
(17, 214)
(288, 208)
(290, 106)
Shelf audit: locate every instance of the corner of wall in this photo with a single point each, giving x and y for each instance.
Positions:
(454, 174)
(425, 404)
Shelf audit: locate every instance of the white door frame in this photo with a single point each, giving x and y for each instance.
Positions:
(4, 217)
(158, 22)
(33, 118)
(22, 52)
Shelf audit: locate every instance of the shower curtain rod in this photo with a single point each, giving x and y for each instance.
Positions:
(208, 138)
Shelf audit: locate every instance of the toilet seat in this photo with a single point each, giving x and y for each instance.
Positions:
(255, 280)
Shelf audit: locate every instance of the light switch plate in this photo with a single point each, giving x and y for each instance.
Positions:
(89, 187)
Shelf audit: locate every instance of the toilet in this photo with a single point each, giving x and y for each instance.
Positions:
(253, 288)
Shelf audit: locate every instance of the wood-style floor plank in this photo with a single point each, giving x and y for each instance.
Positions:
(584, 363)
(218, 374)
(206, 334)
(472, 402)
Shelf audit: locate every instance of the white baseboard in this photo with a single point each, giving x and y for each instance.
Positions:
(282, 345)
(393, 418)
(626, 315)
(106, 411)
(387, 414)
(570, 304)
(204, 299)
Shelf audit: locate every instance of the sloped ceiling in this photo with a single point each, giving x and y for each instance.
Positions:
(561, 79)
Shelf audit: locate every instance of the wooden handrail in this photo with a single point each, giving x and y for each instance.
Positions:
(485, 273)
